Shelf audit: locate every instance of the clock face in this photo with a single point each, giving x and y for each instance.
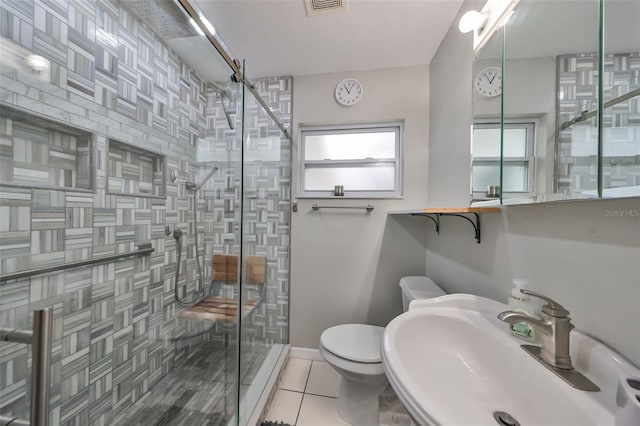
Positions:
(488, 82)
(348, 92)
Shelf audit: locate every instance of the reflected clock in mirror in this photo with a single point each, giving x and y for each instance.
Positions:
(488, 82)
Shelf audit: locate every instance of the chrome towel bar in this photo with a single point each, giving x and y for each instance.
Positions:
(369, 208)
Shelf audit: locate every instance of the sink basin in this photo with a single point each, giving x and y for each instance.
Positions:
(452, 362)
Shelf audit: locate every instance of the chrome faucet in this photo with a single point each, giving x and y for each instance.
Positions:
(554, 328)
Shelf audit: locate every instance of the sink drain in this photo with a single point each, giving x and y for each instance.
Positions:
(505, 419)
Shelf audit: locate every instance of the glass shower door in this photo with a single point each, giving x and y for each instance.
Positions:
(159, 245)
(266, 207)
(107, 116)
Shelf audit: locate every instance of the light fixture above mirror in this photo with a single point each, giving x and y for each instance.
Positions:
(484, 23)
(472, 21)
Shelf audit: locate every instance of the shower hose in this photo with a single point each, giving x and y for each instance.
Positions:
(177, 234)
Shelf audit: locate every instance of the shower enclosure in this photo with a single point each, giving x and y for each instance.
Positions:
(144, 218)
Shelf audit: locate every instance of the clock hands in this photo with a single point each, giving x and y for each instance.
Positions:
(490, 80)
(348, 89)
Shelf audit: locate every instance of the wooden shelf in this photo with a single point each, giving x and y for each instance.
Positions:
(434, 213)
(443, 210)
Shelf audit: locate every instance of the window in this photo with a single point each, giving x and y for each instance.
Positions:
(364, 159)
(518, 167)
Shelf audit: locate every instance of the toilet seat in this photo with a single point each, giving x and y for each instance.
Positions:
(353, 350)
(354, 342)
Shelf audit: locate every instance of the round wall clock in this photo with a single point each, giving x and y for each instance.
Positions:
(348, 92)
(488, 82)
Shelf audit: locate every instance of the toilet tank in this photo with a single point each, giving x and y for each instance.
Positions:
(418, 288)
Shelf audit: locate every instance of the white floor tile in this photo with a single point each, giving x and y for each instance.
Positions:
(285, 407)
(295, 374)
(319, 411)
(323, 380)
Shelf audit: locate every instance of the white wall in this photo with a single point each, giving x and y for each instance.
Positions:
(450, 118)
(585, 254)
(346, 264)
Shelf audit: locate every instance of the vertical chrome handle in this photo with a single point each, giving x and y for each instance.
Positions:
(41, 341)
(41, 366)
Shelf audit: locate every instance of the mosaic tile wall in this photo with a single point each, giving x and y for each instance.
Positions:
(621, 122)
(39, 156)
(133, 171)
(115, 331)
(577, 167)
(267, 203)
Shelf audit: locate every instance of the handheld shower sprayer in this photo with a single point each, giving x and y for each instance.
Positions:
(227, 96)
(192, 186)
(227, 101)
(177, 235)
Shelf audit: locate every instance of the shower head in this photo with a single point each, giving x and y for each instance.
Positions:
(165, 18)
(192, 186)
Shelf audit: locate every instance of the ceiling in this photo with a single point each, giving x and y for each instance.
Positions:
(278, 38)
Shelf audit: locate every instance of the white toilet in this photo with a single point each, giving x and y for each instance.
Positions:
(353, 350)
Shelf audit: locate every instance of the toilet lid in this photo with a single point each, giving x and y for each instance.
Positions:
(355, 342)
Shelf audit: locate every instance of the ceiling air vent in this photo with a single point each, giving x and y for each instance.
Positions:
(325, 7)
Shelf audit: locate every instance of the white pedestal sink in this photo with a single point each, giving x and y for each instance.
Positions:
(452, 362)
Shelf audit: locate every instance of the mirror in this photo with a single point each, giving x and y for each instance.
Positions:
(555, 146)
(487, 118)
(551, 60)
(621, 99)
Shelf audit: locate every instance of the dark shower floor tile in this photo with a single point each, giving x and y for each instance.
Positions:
(202, 391)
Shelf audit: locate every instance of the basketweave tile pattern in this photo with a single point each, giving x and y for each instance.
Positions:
(115, 331)
(184, 396)
(621, 161)
(578, 91)
(134, 171)
(42, 154)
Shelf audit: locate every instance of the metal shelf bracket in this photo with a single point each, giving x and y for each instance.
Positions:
(435, 217)
(435, 220)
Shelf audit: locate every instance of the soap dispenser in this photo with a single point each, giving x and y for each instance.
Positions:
(522, 304)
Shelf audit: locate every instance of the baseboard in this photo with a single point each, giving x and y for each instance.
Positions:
(305, 353)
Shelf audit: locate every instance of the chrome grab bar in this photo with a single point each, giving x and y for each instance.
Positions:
(41, 340)
(143, 250)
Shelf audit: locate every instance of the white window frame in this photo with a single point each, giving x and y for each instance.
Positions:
(529, 158)
(397, 127)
